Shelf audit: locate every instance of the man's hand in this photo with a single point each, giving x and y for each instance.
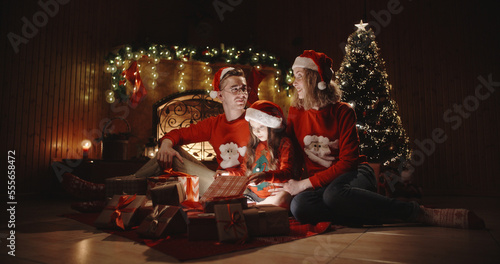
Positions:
(166, 154)
(295, 187)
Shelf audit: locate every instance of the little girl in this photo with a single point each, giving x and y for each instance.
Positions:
(268, 159)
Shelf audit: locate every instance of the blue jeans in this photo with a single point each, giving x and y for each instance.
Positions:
(350, 199)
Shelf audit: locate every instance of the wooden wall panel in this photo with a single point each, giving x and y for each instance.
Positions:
(435, 52)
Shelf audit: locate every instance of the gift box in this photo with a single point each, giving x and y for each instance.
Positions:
(202, 226)
(267, 220)
(231, 226)
(165, 220)
(120, 212)
(158, 181)
(225, 187)
(191, 186)
(172, 193)
(208, 205)
(122, 185)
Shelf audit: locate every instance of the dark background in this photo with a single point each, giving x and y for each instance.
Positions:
(435, 51)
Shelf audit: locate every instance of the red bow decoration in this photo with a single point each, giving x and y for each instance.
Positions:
(234, 223)
(133, 76)
(171, 173)
(120, 208)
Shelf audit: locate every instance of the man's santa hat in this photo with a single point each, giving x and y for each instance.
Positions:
(316, 61)
(265, 113)
(217, 78)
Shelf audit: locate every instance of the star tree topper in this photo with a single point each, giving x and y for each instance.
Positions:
(361, 25)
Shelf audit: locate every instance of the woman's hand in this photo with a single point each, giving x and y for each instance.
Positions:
(295, 187)
(166, 154)
(257, 177)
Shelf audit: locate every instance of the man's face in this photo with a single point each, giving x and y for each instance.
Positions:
(232, 94)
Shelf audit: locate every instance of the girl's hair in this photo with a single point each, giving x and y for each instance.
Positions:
(314, 97)
(273, 144)
(235, 72)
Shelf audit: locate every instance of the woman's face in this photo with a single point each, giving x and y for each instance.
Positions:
(235, 92)
(259, 130)
(299, 82)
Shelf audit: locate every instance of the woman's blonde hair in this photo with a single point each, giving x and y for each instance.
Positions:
(314, 97)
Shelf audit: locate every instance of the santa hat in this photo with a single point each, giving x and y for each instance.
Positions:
(217, 78)
(265, 113)
(316, 61)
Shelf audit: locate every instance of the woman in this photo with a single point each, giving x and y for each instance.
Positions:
(340, 186)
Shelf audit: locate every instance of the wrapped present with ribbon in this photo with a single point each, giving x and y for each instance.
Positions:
(208, 204)
(123, 185)
(157, 181)
(231, 226)
(172, 193)
(201, 226)
(165, 220)
(191, 185)
(120, 212)
(225, 187)
(267, 220)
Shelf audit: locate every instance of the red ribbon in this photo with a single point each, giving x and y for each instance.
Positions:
(234, 223)
(116, 216)
(171, 173)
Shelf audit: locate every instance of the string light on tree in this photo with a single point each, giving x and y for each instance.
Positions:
(365, 86)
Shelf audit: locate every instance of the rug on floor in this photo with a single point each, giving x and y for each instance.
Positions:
(181, 248)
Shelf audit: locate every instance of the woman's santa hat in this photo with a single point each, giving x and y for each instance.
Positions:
(219, 75)
(316, 61)
(265, 113)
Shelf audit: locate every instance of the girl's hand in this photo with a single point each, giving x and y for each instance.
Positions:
(257, 177)
(295, 187)
(221, 173)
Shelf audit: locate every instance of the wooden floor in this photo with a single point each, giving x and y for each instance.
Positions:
(42, 237)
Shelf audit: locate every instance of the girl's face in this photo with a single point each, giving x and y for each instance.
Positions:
(299, 82)
(259, 130)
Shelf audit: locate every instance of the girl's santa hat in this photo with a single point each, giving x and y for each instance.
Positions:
(265, 113)
(219, 75)
(316, 61)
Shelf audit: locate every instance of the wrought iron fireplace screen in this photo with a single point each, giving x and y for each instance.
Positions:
(183, 109)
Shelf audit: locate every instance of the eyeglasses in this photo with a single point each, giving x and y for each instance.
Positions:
(236, 89)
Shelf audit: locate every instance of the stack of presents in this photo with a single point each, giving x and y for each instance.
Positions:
(170, 204)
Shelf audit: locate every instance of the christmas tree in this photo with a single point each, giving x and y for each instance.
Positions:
(363, 80)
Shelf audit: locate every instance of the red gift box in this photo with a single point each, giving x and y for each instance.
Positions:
(164, 220)
(120, 212)
(231, 226)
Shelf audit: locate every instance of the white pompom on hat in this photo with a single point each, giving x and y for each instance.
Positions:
(316, 61)
(219, 75)
(265, 113)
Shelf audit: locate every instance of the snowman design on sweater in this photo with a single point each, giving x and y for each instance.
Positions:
(230, 153)
(319, 149)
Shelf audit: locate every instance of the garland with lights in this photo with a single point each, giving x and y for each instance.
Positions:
(117, 64)
(364, 83)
